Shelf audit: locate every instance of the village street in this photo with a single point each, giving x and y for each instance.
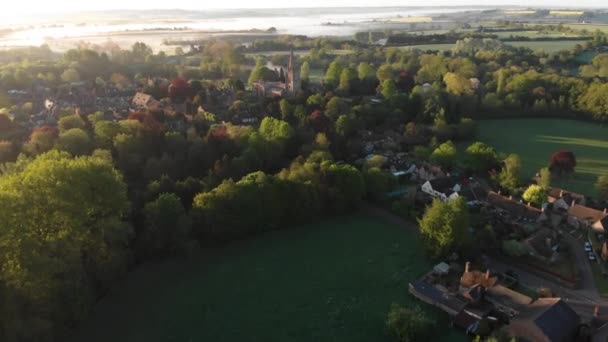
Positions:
(582, 300)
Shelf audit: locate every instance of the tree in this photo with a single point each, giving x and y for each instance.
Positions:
(74, 141)
(70, 75)
(457, 84)
(305, 71)
(64, 241)
(508, 177)
(445, 155)
(535, 194)
(602, 186)
(105, 131)
(167, 227)
(562, 161)
(332, 76)
(365, 71)
(384, 73)
(345, 125)
(41, 140)
(347, 76)
(444, 227)
(409, 325)
(544, 179)
(481, 157)
(389, 89)
(70, 121)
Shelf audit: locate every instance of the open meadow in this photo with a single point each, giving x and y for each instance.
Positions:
(332, 281)
(546, 46)
(536, 139)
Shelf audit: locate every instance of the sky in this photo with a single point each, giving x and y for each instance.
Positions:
(22, 7)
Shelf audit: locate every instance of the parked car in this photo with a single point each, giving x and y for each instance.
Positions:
(588, 247)
(591, 256)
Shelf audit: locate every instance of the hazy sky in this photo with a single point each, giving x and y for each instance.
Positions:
(25, 6)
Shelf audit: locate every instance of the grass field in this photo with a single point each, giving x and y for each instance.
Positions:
(547, 46)
(536, 139)
(332, 281)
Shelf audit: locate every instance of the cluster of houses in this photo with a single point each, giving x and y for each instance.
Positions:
(481, 302)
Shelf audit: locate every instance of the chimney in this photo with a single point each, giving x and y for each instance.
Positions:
(499, 191)
(573, 203)
(596, 311)
(466, 267)
(529, 204)
(510, 197)
(487, 274)
(561, 193)
(605, 211)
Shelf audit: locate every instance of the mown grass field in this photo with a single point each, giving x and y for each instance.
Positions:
(332, 281)
(536, 139)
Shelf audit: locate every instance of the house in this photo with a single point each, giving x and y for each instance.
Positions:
(545, 320)
(580, 217)
(471, 278)
(601, 226)
(506, 300)
(515, 208)
(564, 199)
(442, 188)
(144, 101)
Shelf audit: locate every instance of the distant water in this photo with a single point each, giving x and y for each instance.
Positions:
(300, 22)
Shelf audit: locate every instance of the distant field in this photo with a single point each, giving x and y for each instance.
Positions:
(332, 281)
(298, 53)
(536, 139)
(566, 12)
(588, 27)
(410, 19)
(547, 46)
(519, 12)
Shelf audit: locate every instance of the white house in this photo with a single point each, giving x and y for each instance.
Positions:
(441, 188)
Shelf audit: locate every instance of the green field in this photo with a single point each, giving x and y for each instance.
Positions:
(536, 139)
(332, 281)
(547, 46)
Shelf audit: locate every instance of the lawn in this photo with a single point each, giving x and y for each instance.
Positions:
(536, 139)
(332, 281)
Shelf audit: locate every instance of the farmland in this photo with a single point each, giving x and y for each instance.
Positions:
(547, 46)
(536, 139)
(332, 281)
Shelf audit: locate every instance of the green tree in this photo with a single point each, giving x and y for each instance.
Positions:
(70, 75)
(389, 89)
(409, 325)
(544, 179)
(480, 157)
(602, 186)
(345, 125)
(508, 177)
(445, 155)
(535, 194)
(457, 84)
(384, 73)
(75, 141)
(71, 121)
(105, 131)
(347, 76)
(332, 76)
(305, 71)
(444, 227)
(167, 227)
(63, 241)
(365, 71)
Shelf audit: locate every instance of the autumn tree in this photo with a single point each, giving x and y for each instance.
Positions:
(562, 162)
(544, 178)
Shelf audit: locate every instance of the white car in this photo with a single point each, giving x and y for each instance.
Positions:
(588, 247)
(591, 256)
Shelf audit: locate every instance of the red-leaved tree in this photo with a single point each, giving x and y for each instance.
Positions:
(562, 161)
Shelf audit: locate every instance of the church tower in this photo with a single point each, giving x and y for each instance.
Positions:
(291, 81)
